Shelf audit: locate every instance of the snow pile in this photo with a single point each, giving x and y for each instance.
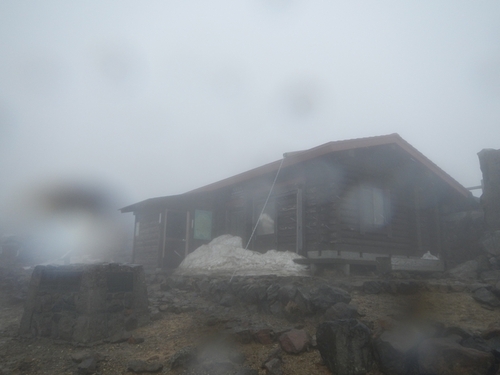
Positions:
(428, 255)
(225, 255)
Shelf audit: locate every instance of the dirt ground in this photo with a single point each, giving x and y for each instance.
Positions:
(164, 337)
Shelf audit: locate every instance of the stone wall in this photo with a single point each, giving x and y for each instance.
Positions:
(461, 234)
(85, 303)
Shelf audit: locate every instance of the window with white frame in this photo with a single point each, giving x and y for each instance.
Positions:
(373, 209)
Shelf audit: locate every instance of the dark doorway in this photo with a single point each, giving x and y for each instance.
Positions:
(174, 243)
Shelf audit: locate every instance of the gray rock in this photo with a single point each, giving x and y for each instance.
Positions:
(492, 331)
(228, 300)
(263, 336)
(272, 292)
(273, 367)
(491, 242)
(465, 271)
(276, 308)
(446, 357)
(183, 358)
(87, 366)
(120, 337)
(341, 310)
(300, 304)
(475, 286)
(135, 340)
(407, 287)
(478, 343)
(323, 296)
(345, 346)
(453, 330)
(372, 287)
(79, 357)
(490, 277)
(397, 349)
(287, 293)
(139, 366)
(242, 335)
(483, 295)
(246, 371)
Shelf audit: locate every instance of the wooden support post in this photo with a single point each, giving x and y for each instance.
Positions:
(137, 228)
(188, 232)
(418, 226)
(299, 241)
(437, 219)
(163, 239)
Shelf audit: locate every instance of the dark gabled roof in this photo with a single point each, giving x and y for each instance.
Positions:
(172, 201)
(292, 158)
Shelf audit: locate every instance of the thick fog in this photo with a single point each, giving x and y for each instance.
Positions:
(148, 98)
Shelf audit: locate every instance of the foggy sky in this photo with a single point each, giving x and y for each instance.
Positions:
(152, 98)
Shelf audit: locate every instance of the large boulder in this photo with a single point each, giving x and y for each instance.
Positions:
(345, 346)
(341, 310)
(323, 296)
(396, 349)
(490, 242)
(447, 357)
(465, 271)
(490, 277)
(483, 295)
(489, 162)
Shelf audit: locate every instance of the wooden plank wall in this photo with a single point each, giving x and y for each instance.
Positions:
(321, 185)
(331, 209)
(286, 217)
(331, 212)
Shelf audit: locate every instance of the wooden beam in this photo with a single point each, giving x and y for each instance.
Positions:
(418, 226)
(299, 242)
(163, 239)
(136, 230)
(437, 219)
(188, 232)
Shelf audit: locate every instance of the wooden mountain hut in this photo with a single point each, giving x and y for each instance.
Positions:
(352, 200)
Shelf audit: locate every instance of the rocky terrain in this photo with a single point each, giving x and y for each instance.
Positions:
(400, 323)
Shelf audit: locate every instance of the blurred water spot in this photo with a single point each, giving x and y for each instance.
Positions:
(369, 208)
(300, 100)
(69, 222)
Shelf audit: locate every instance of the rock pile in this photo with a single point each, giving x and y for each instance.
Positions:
(347, 344)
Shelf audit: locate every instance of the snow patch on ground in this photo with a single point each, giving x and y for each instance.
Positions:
(225, 255)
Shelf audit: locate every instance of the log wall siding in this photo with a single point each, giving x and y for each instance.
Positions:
(319, 181)
(332, 211)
